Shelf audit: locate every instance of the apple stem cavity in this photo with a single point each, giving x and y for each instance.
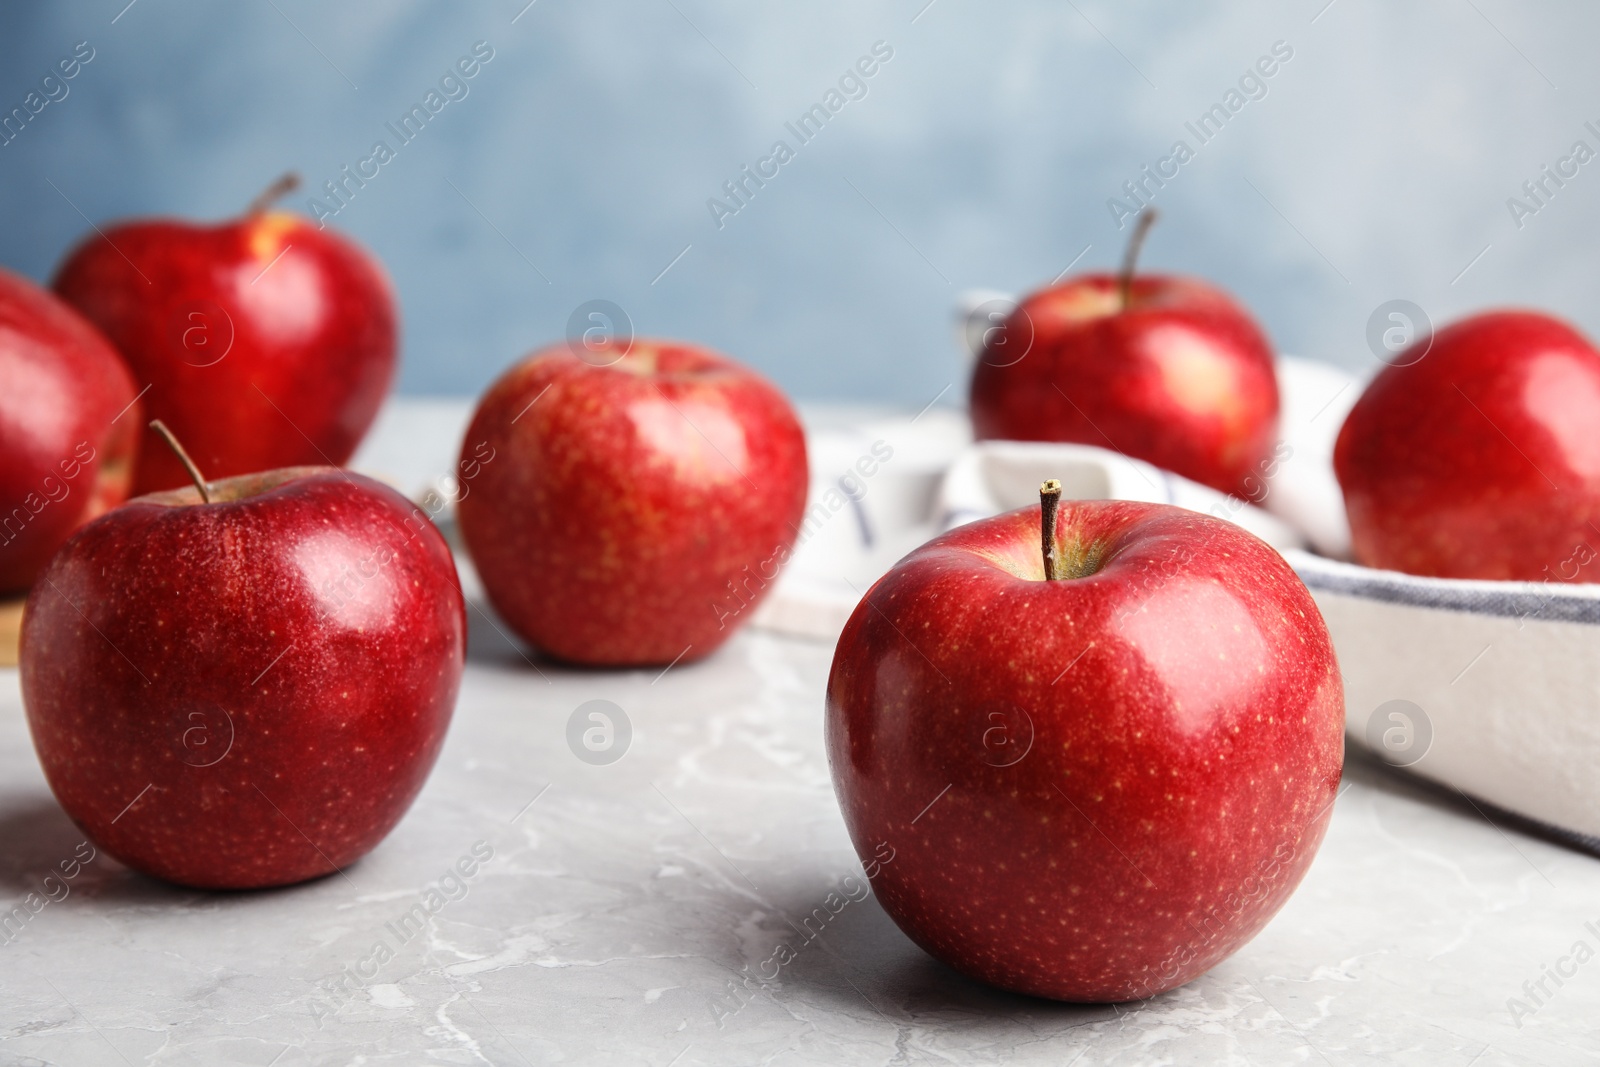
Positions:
(1130, 257)
(1049, 499)
(183, 457)
(279, 189)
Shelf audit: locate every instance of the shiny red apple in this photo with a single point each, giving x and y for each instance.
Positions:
(1481, 458)
(632, 506)
(1093, 788)
(265, 341)
(69, 426)
(1162, 368)
(247, 692)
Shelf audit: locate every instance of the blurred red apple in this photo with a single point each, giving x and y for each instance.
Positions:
(266, 342)
(246, 692)
(69, 425)
(1093, 788)
(631, 507)
(1481, 459)
(1166, 369)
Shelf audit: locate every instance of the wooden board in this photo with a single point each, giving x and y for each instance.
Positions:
(10, 630)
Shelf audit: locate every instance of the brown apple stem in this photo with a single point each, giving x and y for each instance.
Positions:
(183, 457)
(1130, 257)
(279, 189)
(1049, 499)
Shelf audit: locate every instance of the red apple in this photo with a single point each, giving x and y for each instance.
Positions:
(1166, 369)
(1092, 788)
(1481, 458)
(630, 507)
(266, 342)
(247, 692)
(68, 428)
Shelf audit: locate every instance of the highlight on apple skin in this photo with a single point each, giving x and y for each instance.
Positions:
(247, 692)
(639, 501)
(1095, 787)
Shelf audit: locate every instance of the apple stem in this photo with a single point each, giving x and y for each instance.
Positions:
(279, 189)
(1130, 257)
(188, 464)
(1049, 498)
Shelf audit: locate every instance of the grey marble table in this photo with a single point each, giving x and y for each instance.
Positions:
(612, 910)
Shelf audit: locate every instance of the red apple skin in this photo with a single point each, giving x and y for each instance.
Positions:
(1186, 745)
(635, 513)
(151, 658)
(1182, 377)
(256, 362)
(1482, 458)
(68, 428)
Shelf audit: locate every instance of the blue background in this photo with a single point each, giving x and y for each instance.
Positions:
(1377, 166)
